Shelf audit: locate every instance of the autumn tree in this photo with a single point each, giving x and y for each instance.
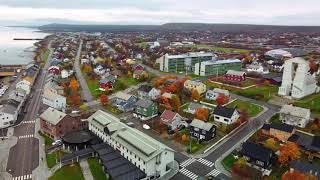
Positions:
(195, 95)
(244, 116)
(76, 100)
(184, 138)
(222, 99)
(202, 114)
(166, 103)
(74, 85)
(87, 69)
(288, 152)
(104, 99)
(290, 175)
(176, 102)
(313, 67)
(271, 143)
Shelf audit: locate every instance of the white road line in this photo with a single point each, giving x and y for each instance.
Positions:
(206, 162)
(23, 177)
(188, 173)
(28, 122)
(187, 162)
(26, 136)
(214, 173)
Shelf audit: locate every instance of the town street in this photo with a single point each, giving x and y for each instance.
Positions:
(24, 156)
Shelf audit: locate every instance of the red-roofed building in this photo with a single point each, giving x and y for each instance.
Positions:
(171, 119)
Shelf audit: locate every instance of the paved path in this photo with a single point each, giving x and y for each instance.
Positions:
(86, 170)
(86, 94)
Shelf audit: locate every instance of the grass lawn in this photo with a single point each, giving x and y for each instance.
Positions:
(113, 109)
(195, 146)
(223, 49)
(311, 102)
(93, 86)
(128, 80)
(277, 172)
(47, 140)
(69, 172)
(96, 169)
(52, 158)
(275, 119)
(46, 55)
(228, 162)
(252, 109)
(262, 92)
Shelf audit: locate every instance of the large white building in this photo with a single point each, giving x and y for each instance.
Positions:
(297, 82)
(149, 155)
(25, 85)
(183, 62)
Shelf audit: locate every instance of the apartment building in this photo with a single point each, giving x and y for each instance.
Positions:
(183, 62)
(152, 157)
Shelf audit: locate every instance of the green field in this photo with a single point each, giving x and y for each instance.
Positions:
(96, 169)
(252, 109)
(47, 140)
(311, 102)
(69, 172)
(263, 92)
(52, 158)
(46, 55)
(223, 49)
(93, 86)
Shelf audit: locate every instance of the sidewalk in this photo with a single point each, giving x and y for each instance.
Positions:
(42, 171)
(86, 170)
(5, 146)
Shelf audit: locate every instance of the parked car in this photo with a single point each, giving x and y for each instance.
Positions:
(57, 142)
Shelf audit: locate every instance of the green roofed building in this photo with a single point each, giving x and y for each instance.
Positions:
(152, 157)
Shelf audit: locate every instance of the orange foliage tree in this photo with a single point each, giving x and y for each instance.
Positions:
(185, 138)
(104, 99)
(76, 100)
(166, 103)
(244, 116)
(288, 152)
(74, 85)
(290, 175)
(222, 99)
(87, 69)
(195, 95)
(202, 114)
(176, 102)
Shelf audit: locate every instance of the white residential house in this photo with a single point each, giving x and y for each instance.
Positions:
(295, 116)
(146, 153)
(66, 73)
(54, 100)
(215, 93)
(257, 68)
(25, 85)
(8, 115)
(171, 119)
(225, 115)
(85, 61)
(154, 94)
(99, 70)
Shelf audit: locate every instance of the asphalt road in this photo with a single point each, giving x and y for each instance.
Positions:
(86, 94)
(24, 156)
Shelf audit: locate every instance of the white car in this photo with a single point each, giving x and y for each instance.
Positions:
(57, 142)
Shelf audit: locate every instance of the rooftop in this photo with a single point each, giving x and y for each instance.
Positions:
(52, 116)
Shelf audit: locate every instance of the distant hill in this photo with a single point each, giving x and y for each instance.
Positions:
(180, 27)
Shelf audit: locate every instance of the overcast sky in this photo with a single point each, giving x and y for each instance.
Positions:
(277, 12)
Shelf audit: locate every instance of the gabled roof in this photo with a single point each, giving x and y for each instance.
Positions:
(224, 111)
(145, 88)
(201, 124)
(305, 167)
(282, 127)
(145, 103)
(122, 95)
(194, 83)
(52, 116)
(237, 73)
(168, 115)
(295, 111)
(256, 151)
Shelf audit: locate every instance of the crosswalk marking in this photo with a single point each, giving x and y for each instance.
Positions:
(28, 122)
(187, 162)
(26, 136)
(214, 173)
(23, 177)
(188, 173)
(206, 162)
